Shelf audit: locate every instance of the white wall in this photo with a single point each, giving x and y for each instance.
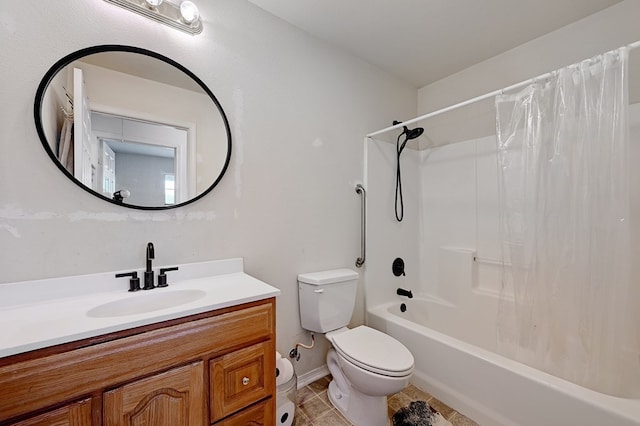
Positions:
(143, 176)
(298, 111)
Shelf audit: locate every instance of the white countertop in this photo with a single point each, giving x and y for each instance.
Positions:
(42, 313)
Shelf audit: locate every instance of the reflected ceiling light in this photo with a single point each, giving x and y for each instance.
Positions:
(184, 17)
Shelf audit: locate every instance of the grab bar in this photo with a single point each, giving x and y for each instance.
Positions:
(363, 225)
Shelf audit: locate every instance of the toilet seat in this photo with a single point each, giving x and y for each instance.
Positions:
(374, 351)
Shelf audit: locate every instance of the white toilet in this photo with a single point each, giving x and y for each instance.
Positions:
(366, 364)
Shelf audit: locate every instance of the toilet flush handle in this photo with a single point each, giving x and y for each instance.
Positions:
(320, 290)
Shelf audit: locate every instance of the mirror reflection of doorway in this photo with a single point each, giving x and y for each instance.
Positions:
(144, 159)
(108, 162)
(83, 154)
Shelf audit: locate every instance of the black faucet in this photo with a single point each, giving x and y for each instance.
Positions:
(148, 274)
(403, 292)
(134, 282)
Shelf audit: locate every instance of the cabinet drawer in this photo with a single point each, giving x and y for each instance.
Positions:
(258, 415)
(76, 414)
(241, 378)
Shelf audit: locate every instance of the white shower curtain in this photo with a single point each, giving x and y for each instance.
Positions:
(564, 203)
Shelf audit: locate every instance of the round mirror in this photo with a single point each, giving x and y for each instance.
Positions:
(132, 127)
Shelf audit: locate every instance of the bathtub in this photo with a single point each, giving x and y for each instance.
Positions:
(489, 388)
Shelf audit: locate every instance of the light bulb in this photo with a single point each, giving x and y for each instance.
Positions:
(154, 3)
(189, 12)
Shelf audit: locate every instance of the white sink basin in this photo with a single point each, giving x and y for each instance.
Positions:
(146, 302)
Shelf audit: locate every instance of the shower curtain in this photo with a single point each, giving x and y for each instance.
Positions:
(564, 209)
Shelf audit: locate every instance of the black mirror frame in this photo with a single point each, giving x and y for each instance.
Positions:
(46, 80)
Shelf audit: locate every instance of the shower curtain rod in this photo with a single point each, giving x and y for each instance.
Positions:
(474, 100)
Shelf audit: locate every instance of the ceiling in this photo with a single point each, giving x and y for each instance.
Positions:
(422, 41)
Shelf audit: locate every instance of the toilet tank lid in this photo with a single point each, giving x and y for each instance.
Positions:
(328, 277)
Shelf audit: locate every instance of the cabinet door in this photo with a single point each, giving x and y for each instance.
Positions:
(76, 414)
(175, 397)
(241, 378)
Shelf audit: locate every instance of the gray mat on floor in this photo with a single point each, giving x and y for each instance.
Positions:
(418, 413)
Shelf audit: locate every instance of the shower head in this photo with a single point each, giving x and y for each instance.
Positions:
(410, 134)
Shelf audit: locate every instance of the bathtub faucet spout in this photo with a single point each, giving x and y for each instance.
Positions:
(403, 292)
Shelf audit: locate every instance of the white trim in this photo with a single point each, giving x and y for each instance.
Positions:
(313, 375)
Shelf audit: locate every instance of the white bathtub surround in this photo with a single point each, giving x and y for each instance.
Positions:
(563, 152)
(454, 343)
(459, 213)
(37, 314)
(455, 271)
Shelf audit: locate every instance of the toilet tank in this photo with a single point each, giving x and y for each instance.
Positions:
(327, 299)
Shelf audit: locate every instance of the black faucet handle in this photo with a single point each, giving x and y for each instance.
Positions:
(162, 276)
(398, 267)
(134, 282)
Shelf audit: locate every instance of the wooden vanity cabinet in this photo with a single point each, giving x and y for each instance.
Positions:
(212, 368)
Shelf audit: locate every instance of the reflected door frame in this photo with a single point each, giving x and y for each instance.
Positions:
(185, 162)
(107, 170)
(83, 150)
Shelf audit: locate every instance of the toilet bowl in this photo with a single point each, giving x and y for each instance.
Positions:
(367, 365)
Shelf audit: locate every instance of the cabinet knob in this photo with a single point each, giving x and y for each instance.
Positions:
(245, 381)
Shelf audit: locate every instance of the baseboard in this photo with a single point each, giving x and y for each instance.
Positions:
(312, 376)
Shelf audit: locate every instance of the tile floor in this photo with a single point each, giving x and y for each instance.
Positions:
(315, 409)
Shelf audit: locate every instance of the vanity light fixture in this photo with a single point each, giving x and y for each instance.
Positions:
(184, 16)
(189, 12)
